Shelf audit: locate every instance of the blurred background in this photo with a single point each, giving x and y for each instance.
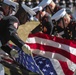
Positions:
(71, 4)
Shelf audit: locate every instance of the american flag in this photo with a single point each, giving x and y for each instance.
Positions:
(52, 55)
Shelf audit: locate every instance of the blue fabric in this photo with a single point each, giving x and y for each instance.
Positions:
(38, 64)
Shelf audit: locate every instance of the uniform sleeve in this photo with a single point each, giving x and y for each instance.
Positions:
(16, 40)
(1, 13)
(13, 26)
(6, 48)
(74, 32)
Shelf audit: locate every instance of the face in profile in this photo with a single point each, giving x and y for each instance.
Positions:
(6, 9)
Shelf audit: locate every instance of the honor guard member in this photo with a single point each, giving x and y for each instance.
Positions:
(66, 23)
(45, 25)
(8, 30)
(7, 7)
(52, 5)
(5, 10)
(53, 9)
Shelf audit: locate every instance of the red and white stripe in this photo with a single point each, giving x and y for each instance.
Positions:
(61, 67)
(53, 47)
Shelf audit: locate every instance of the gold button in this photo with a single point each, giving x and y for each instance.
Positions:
(71, 36)
(55, 28)
(68, 30)
(56, 31)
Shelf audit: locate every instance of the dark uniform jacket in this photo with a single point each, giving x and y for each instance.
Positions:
(70, 31)
(56, 28)
(46, 22)
(8, 31)
(2, 13)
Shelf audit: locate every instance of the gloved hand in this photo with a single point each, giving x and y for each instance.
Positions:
(14, 53)
(26, 49)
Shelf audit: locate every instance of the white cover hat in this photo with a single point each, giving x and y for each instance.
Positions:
(28, 10)
(42, 4)
(10, 2)
(61, 13)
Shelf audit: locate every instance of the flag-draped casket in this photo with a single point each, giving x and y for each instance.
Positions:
(51, 55)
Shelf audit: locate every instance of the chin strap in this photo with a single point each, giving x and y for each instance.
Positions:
(51, 11)
(63, 25)
(50, 21)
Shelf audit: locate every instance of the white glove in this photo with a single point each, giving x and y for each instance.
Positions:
(26, 49)
(14, 53)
